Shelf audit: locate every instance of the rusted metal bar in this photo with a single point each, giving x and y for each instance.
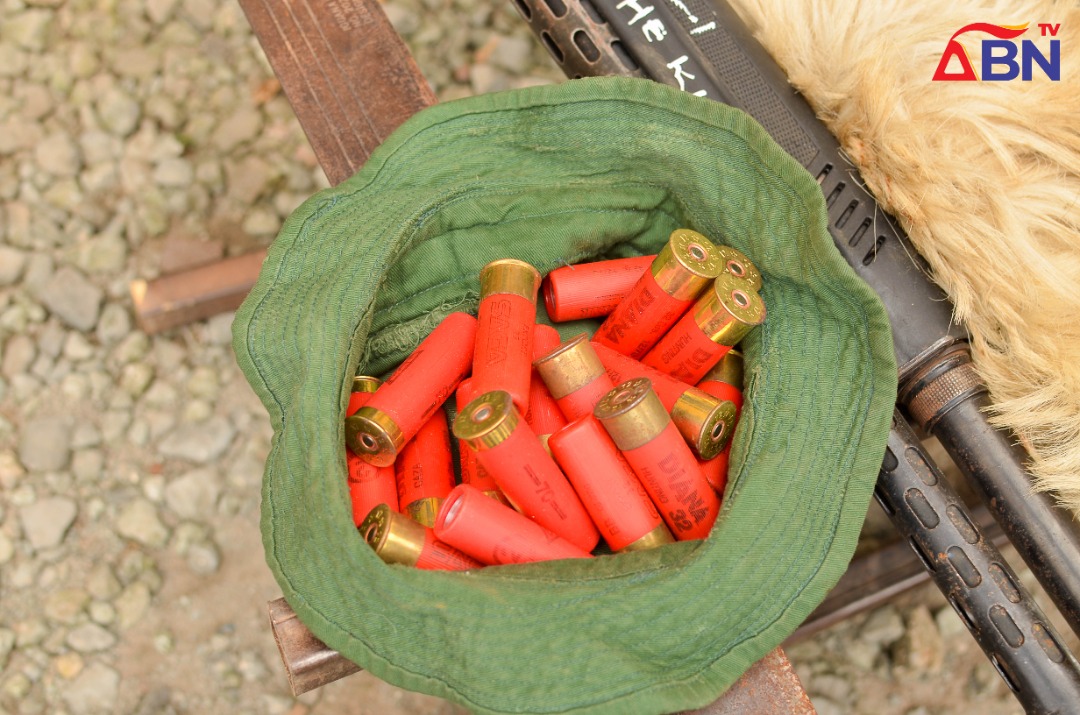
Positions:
(769, 686)
(309, 663)
(180, 298)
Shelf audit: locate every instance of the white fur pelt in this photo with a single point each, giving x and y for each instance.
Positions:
(984, 176)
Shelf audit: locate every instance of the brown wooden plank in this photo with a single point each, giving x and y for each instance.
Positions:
(348, 75)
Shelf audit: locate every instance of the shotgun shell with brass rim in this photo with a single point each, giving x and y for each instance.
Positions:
(738, 266)
(640, 427)
(684, 268)
(704, 421)
(525, 473)
(379, 430)
(608, 487)
(504, 337)
(544, 415)
(590, 290)
(724, 381)
(717, 321)
(472, 472)
(425, 471)
(495, 534)
(575, 376)
(400, 540)
(369, 485)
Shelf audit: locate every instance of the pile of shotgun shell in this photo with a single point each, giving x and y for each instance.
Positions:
(623, 436)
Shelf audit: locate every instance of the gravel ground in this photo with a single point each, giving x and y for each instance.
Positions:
(136, 137)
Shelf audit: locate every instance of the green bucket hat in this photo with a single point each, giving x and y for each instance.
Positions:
(586, 170)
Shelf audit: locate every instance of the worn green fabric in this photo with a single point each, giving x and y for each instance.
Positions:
(585, 170)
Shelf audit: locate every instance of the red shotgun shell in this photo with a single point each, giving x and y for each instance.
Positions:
(724, 381)
(472, 472)
(425, 471)
(399, 540)
(369, 485)
(717, 321)
(507, 313)
(619, 506)
(640, 427)
(495, 534)
(683, 269)
(704, 421)
(590, 290)
(544, 415)
(575, 376)
(527, 475)
(409, 397)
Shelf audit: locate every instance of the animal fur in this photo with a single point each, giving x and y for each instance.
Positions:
(984, 176)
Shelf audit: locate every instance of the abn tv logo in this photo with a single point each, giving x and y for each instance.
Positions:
(1004, 58)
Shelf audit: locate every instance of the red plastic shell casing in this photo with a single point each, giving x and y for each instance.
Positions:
(607, 485)
(544, 415)
(684, 268)
(575, 376)
(718, 320)
(641, 319)
(590, 290)
(369, 485)
(436, 555)
(409, 397)
(671, 475)
(397, 539)
(621, 368)
(504, 337)
(648, 439)
(495, 534)
(425, 471)
(511, 453)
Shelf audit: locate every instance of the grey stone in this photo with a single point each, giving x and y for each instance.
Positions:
(12, 262)
(58, 155)
(139, 521)
(199, 443)
(72, 298)
(136, 377)
(45, 443)
(194, 495)
(45, 522)
(104, 254)
(114, 323)
(102, 582)
(19, 354)
(241, 127)
(91, 638)
(7, 644)
(203, 559)
(512, 54)
(7, 552)
(883, 628)
(13, 62)
(922, 647)
(65, 605)
(159, 11)
(247, 180)
(77, 348)
(261, 221)
(27, 29)
(174, 173)
(219, 329)
(132, 604)
(118, 112)
(93, 691)
(87, 465)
